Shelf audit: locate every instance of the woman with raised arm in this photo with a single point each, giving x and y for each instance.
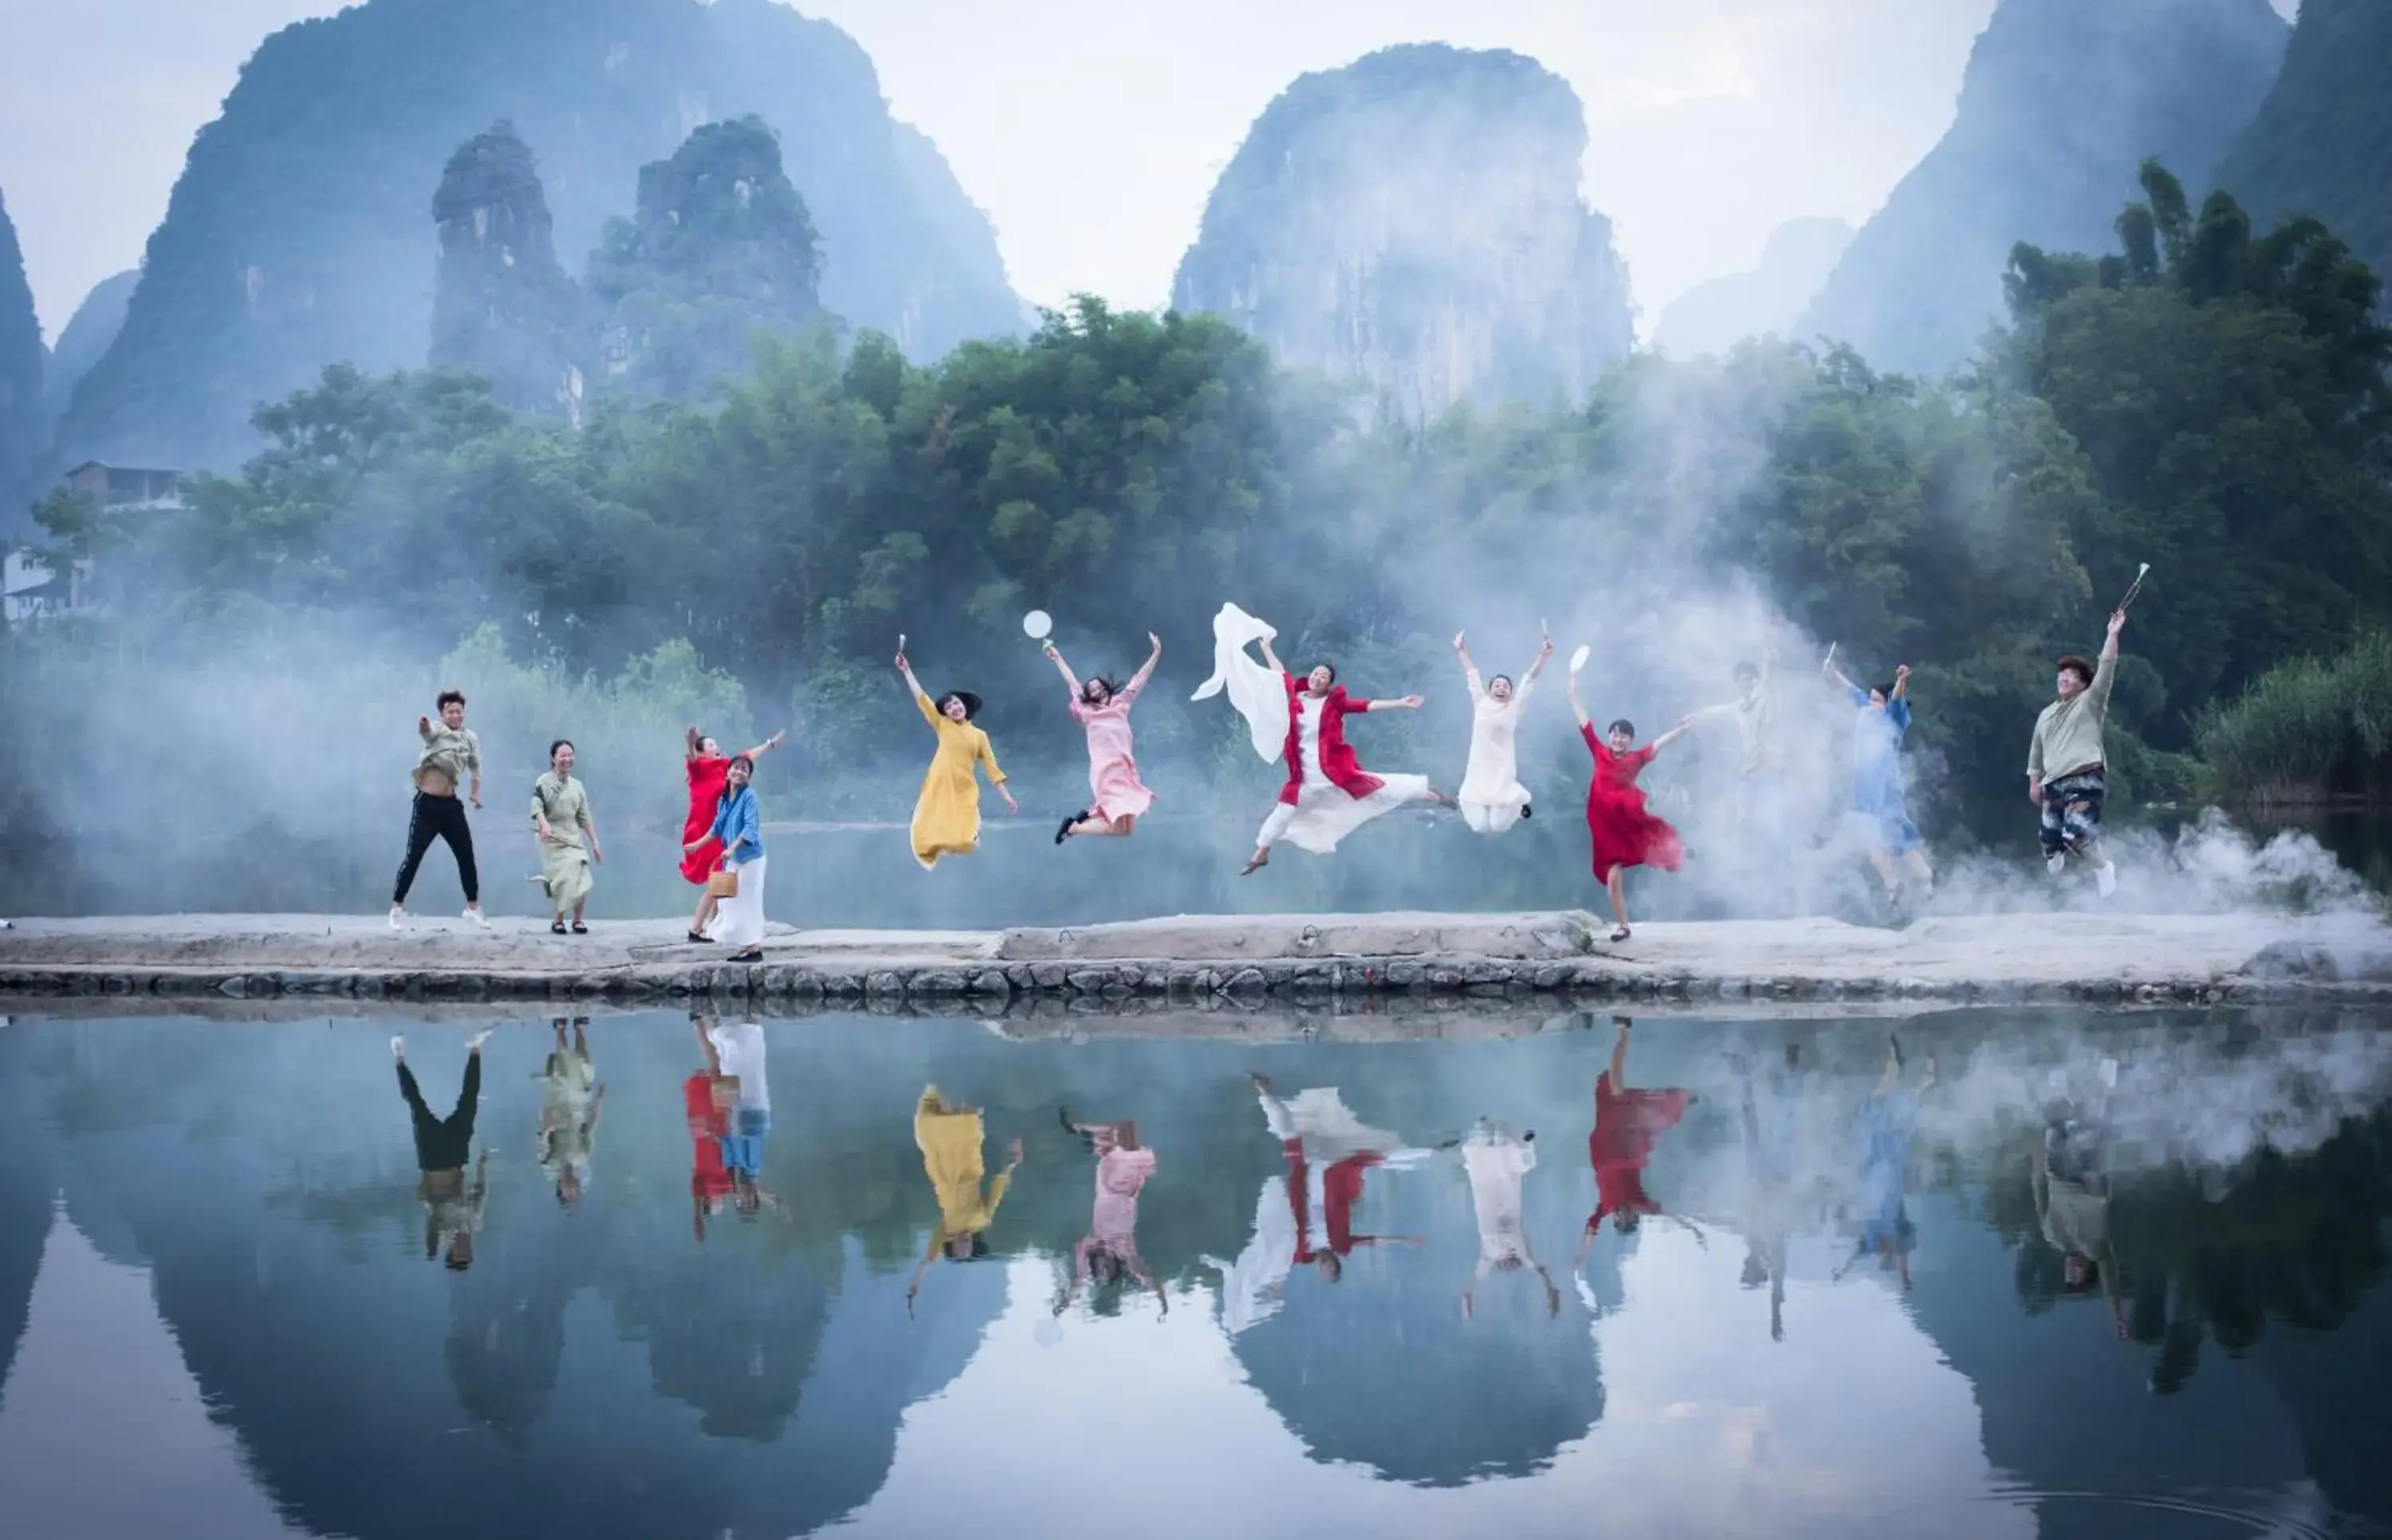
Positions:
(1328, 795)
(1492, 799)
(707, 771)
(738, 833)
(1624, 832)
(1880, 811)
(946, 816)
(1117, 796)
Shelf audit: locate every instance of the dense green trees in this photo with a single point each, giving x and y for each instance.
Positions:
(2203, 398)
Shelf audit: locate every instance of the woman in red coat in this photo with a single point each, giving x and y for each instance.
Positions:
(1624, 832)
(708, 766)
(1329, 795)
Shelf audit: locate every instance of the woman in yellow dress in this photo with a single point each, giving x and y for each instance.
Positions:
(946, 818)
(950, 1140)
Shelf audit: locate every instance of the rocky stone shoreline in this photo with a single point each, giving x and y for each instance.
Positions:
(1988, 961)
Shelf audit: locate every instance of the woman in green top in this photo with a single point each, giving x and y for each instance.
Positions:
(560, 813)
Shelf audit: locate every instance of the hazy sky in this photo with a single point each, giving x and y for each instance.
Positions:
(1091, 130)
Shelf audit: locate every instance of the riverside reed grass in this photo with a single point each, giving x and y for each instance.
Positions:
(2311, 731)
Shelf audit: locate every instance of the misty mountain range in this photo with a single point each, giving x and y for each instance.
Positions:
(1356, 230)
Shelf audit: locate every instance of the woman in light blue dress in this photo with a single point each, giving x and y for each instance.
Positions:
(1879, 812)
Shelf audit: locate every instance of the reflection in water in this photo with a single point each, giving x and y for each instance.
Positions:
(570, 1101)
(452, 1206)
(1769, 1118)
(1498, 1162)
(1888, 1118)
(950, 1138)
(1627, 1121)
(1108, 1251)
(1328, 1150)
(2222, 1182)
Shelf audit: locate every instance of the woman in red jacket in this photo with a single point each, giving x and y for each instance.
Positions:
(1328, 795)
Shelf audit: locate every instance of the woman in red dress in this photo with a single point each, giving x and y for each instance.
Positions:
(1624, 832)
(708, 767)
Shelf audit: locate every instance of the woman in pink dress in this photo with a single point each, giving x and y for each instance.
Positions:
(1118, 795)
(1623, 830)
(1108, 1251)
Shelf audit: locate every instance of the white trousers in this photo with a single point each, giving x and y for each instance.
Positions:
(739, 920)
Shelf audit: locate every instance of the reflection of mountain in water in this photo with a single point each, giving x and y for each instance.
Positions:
(1343, 1361)
(24, 1193)
(268, 1185)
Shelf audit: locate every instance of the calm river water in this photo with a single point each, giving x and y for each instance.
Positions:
(1358, 1299)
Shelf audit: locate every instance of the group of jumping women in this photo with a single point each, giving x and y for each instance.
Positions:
(1299, 720)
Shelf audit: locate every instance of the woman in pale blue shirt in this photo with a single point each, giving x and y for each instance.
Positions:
(740, 921)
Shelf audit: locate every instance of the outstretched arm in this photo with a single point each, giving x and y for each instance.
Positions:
(768, 746)
(1837, 675)
(1401, 702)
(1618, 1070)
(1901, 680)
(1578, 706)
(1677, 731)
(689, 745)
(1055, 656)
(1469, 669)
(1139, 681)
(1269, 657)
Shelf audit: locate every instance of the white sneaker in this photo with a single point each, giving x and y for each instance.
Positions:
(2056, 865)
(398, 919)
(474, 912)
(2106, 878)
(399, 1049)
(473, 1043)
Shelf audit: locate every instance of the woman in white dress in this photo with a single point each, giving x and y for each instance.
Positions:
(1492, 799)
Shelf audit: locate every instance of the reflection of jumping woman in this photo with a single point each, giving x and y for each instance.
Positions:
(1108, 1251)
(1624, 834)
(1117, 796)
(1491, 798)
(1627, 1124)
(950, 1138)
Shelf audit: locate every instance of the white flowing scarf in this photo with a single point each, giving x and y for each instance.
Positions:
(1254, 692)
